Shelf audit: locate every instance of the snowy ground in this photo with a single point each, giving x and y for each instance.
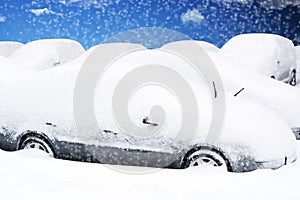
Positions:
(32, 175)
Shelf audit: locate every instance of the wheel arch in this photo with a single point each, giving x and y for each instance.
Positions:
(39, 135)
(214, 149)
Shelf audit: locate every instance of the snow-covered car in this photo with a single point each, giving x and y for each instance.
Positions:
(20, 60)
(38, 112)
(268, 54)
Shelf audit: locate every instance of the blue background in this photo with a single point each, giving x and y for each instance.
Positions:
(92, 22)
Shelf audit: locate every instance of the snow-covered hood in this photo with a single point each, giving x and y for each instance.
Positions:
(250, 124)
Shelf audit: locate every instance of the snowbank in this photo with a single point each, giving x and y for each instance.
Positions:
(268, 54)
(31, 172)
(7, 48)
(43, 54)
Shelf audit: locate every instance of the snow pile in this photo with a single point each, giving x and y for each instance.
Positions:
(31, 172)
(8, 48)
(268, 54)
(43, 54)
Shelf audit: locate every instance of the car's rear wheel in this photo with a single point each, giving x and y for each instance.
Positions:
(206, 157)
(37, 142)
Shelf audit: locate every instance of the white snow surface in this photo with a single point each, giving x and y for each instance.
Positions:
(43, 54)
(266, 54)
(33, 174)
(7, 48)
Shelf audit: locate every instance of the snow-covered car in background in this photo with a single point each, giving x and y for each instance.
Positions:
(279, 97)
(22, 60)
(8, 47)
(267, 54)
(44, 54)
(37, 112)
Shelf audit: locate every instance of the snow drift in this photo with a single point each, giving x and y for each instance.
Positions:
(33, 172)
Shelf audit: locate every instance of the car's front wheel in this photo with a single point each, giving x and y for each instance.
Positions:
(205, 157)
(37, 142)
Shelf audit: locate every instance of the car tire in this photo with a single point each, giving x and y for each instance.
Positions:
(205, 156)
(37, 142)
